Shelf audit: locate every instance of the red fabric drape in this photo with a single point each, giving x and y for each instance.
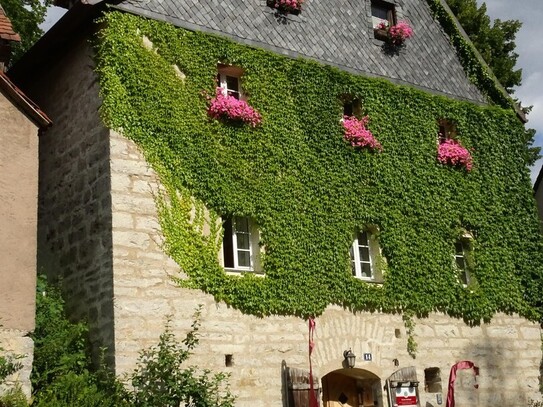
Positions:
(313, 402)
(465, 364)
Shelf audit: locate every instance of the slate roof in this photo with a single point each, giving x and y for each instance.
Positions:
(335, 32)
(6, 30)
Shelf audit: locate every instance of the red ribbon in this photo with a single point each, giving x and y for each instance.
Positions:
(465, 364)
(313, 402)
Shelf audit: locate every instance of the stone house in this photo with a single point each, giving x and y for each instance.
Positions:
(155, 196)
(22, 122)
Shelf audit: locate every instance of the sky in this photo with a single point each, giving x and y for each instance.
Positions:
(529, 43)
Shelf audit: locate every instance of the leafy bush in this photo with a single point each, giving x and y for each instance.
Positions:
(9, 364)
(63, 375)
(160, 379)
(13, 398)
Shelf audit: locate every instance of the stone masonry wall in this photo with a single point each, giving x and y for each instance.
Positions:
(508, 350)
(74, 230)
(15, 342)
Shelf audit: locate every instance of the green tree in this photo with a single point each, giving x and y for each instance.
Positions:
(25, 16)
(495, 42)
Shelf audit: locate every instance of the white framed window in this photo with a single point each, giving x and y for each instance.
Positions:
(229, 79)
(364, 253)
(462, 248)
(241, 249)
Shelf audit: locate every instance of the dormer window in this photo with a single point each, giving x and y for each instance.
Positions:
(364, 254)
(241, 250)
(382, 12)
(229, 79)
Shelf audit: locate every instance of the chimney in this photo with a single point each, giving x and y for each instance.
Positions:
(7, 38)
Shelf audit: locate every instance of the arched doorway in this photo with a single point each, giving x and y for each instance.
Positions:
(352, 388)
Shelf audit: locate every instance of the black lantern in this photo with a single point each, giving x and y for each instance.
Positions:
(350, 358)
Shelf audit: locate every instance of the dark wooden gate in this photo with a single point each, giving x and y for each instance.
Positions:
(298, 387)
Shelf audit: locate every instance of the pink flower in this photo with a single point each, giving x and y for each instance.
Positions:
(452, 153)
(228, 107)
(287, 6)
(356, 133)
(397, 34)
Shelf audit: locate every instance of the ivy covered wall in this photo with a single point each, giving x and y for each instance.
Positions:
(308, 189)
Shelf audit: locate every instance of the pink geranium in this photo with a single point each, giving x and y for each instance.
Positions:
(224, 106)
(452, 153)
(397, 34)
(356, 133)
(288, 6)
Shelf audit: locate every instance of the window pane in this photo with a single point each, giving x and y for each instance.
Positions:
(242, 225)
(244, 259)
(364, 253)
(348, 109)
(363, 238)
(379, 12)
(232, 85)
(461, 262)
(459, 247)
(242, 240)
(366, 270)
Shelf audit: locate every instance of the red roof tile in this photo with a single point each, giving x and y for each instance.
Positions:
(20, 99)
(6, 30)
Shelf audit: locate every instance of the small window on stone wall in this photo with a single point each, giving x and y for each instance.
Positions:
(432, 380)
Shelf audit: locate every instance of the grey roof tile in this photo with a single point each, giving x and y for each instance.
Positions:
(336, 32)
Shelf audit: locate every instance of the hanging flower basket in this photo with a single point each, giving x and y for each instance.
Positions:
(356, 133)
(397, 34)
(286, 6)
(450, 152)
(227, 107)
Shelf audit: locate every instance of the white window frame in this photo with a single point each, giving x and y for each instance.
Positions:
(253, 250)
(466, 244)
(223, 73)
(373, 249)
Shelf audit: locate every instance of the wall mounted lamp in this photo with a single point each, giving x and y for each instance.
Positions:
(350, 358)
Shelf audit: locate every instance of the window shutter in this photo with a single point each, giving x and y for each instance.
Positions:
(227, 246)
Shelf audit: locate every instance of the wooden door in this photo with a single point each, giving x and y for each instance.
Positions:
(339, 391)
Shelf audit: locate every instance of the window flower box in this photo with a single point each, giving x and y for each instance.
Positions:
(356, 133)
(226, 107)
(286, 6)
(450, 152)
(396, 34)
